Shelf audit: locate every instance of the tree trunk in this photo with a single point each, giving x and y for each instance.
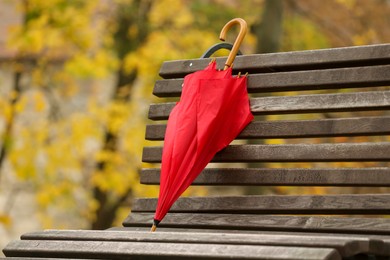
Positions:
(269, 31)
(16, 89)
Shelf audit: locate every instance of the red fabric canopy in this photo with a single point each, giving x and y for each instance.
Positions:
(213, 110)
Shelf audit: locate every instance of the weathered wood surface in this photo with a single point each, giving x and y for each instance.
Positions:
(266, 222)
(292, 153)
(346, 246)
(287, 61)
(374, 204)
(357, 101)
(367, 177)
(378, 244)
(145, 250)
(386, 250)
(359, 126)
(297, 81)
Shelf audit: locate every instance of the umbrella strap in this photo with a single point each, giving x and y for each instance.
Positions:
(218, 46)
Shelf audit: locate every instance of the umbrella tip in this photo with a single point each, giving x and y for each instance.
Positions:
(154, 227)
(155, 224)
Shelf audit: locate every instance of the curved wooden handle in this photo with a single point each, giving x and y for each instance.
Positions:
(237, 42)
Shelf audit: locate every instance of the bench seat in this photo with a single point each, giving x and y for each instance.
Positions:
(322, 120)
(103, 243)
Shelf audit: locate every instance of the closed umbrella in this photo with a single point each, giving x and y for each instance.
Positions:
(213, 109)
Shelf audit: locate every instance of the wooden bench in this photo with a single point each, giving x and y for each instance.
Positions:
(343, 143)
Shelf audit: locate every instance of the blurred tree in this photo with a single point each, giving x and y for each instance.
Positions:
(133, 28)
(269, 30)
(347, 22)
(80, 151)
(51, 29)
(9, 120)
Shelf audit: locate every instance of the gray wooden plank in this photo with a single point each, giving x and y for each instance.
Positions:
(363, 177)
(375, 226)
(369, 204)
(287, 61)
(387, 246)
(326, 102)
(357, 101)
(359, 126)
(347, 246)
(292, 153)
(296, 81)
(144, 250)
(378, 244)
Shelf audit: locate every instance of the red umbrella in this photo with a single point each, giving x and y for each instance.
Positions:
(212, 111)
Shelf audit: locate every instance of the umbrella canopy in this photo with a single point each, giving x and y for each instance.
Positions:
(212, 111)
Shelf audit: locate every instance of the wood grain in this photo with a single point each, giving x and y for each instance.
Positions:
(142, 250)
(339, 152)
(297, 80)
(369, 204)
(359, 126)
(358, 101)
(360, 177)
(347, 246)
(287, 61)
(374, 226)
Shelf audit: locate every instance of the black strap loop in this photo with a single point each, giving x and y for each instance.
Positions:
(218, 46)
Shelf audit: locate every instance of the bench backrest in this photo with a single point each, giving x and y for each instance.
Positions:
(322, 119)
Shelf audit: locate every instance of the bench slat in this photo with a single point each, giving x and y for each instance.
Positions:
(287, 61)
(386, 251)
(345, 225)
(362, 177)
(276, 204)
(339, 152)
(360, 126)
(346, 246)
(359, 101)
(141, 250)
(297, 81)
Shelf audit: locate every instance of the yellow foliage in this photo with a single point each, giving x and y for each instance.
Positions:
(39, 101)
(199, 191)
(348, 3)
(365, 38)
(98, 65)
(46, 220)
(47, 195)
(5, 220)
(37, 76)
(275, 141)
(113, 181)
(65, 28)
(6, 110)
(23, 155)
(177, 13)
(21, 104)
(117, 114)
(302, 34)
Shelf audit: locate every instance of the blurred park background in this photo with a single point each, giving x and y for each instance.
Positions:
(76, 78)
